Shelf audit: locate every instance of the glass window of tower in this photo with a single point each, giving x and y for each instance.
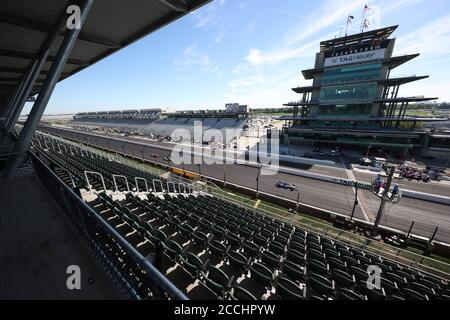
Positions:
(352, 74)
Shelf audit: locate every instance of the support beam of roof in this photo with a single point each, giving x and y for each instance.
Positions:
(32, 56)
(48, 28)
(22, 70)
(11, 79)
(177, 5)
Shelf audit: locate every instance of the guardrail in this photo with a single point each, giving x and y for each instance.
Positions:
(135, 276)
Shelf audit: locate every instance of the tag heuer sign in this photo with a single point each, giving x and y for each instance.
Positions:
(355, 58)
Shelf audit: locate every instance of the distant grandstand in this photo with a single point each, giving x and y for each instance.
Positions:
(178, 126)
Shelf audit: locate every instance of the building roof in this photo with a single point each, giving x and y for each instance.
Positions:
(402, 80)
(356, 118)
(301, 103)
(111, 25)
(380, 34)
(396, 61)
(405, 99)
(393, 63)
(305, 89)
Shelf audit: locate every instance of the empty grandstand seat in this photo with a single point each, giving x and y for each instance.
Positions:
(371, 293)
(389, 286)
(297, 246)
(320, 284)
(200, 238)
(234, 240)
(161, 235)
(193, 264)
(359, 273)
(260, 240)
(277, 247)
(242, 294)
(238, 260)
(399, 280)
(289, 290)
(293, 271)
(335, 263)
(423, 289)
(261, 274)
(219, 232)
(251, 248)
(218, 281)
(343, 279)
(346, 294)
(218, 249)
(270, 259)
(317, 266)
(296, 257)
(411, 294)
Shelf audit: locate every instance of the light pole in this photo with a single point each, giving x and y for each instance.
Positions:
(297, 206)
(257, 182)
(355, 203)
(383, 200)
(199, 171)
(142, 152)
(224, 176)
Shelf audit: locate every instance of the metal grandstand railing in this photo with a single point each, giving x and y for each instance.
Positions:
(132, 273)
(113, 156)
(427, 264)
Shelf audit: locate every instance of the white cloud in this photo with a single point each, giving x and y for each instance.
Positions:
(250, 27)
(430, 88)
(208, 15)
(257, 58)
(329, 14)
(191, 56)
(220, 37)
(431, 39)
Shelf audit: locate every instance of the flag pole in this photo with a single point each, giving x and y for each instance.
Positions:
(366, 8)
(362, 21)
(346, 26)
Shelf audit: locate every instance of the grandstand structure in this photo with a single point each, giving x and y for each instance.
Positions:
(218, 126)
(209, 248)
(135, 234)
(354, 101)
(148, 114)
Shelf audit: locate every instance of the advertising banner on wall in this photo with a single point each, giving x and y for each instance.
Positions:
(355, 58)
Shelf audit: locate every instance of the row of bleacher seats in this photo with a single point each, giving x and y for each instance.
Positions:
(213, 249)
(221, 130)
(71, 163)
(127, 114)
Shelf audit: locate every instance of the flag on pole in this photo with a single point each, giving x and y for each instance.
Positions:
(366, 8)
(350, 18)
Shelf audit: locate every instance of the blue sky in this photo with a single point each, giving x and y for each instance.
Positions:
(252, 52)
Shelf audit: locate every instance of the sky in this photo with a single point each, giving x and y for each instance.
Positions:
(252, 52)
